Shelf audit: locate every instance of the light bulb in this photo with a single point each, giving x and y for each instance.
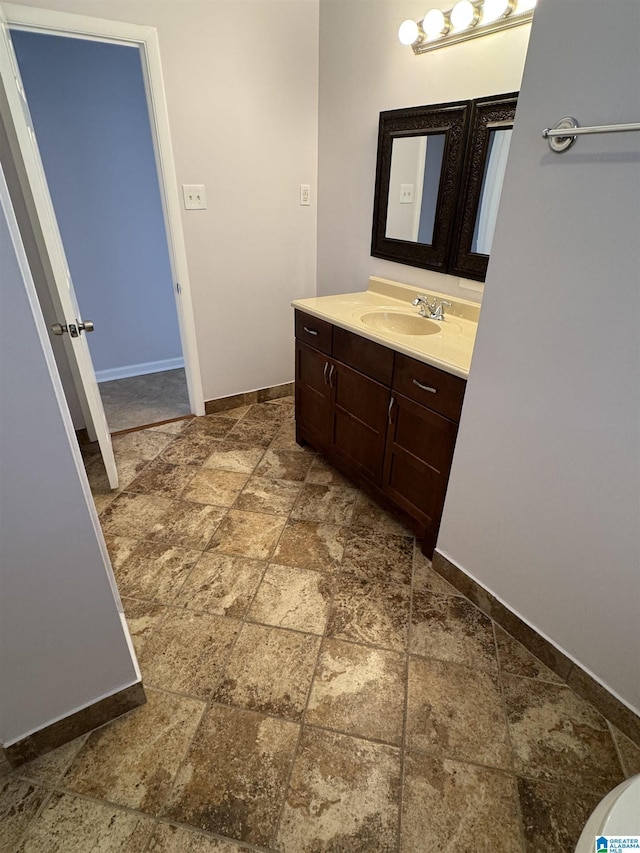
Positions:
(408, 32)
(494, 9)
(434, 23)
(463, 15)
(526, 5)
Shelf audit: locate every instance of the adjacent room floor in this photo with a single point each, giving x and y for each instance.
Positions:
(312, 684)
(146, 399)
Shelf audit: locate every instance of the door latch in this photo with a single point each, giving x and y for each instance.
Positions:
(74, 329)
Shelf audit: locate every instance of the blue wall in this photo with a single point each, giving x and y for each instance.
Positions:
(89, 110)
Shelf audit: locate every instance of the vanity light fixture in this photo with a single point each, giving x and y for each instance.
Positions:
(466, 20)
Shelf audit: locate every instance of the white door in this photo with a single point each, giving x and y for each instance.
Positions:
(63, 295)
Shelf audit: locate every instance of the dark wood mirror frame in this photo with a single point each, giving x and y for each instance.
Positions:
(487, 114)
(467, 125)
(452, 120)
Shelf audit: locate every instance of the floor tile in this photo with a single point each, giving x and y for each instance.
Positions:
(329, 504)
(120, 548)
(49, 768)
(451, 628)
(286, 439)
(262, 494)
(19, 804)
(172, 427)
(343, 796)
(628, 751)
(221, 584)
(373, 613)
(380, 557)
(211, 426)
(556, 736)
(257, 433)
(175, 839)
(234, 456)
(142, 618)
(514, 659)
(187, 524)
(248, 534)
(154, 571)
(71, 824)
(143, 443)
(370, 517)
(456, 712)
(128, 468)
(359, 690)
(323, 473)
(192, 449)
(311, 545)
(219, 488)
(133, 515)
(269, 670)
(424, 577)
(234, 777)
(293, 598)
(284, 465)
(161, 478)
(453, 806)
(187, 652)
(553, 816)
(132, 761)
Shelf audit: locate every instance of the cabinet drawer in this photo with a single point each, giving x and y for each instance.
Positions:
(315, 332)
(364, 355)
(440, 391)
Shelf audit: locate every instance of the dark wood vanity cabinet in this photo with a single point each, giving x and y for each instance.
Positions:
(385, 419)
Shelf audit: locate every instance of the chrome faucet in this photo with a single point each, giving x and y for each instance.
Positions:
(433, 310)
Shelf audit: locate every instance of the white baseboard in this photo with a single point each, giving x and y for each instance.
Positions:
(139, 369)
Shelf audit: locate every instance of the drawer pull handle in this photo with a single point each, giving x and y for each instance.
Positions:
(425, 387)
(310, 331)
(391, 402)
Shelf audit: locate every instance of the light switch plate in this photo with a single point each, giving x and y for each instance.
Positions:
(406, 193)
(194, 197)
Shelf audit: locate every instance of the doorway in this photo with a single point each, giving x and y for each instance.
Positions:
(153, 332)
(88, 105)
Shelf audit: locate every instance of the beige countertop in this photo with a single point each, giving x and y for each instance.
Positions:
(449, 347)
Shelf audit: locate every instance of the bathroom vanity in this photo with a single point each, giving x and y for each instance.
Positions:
(379, 392)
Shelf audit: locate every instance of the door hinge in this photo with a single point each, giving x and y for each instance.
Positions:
(178, 287)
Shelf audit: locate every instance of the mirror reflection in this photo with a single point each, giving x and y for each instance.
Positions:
(414, 181)
(492, 180)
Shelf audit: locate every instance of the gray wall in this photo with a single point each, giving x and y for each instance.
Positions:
(544, 499)
(89, 109)
(62, 640)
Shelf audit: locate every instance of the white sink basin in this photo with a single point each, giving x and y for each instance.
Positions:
(400, 323)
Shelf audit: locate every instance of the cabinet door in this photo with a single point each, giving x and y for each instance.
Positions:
(359, 420)
(418, 459)
(313, 396)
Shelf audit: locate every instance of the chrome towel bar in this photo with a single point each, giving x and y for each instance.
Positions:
(564, 132)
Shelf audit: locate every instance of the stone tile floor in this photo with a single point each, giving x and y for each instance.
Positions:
(312, 684)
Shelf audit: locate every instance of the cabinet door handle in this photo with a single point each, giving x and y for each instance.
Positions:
(324, 372)
(425, 387)
(310, 331)
(333, 367)
(391, 402)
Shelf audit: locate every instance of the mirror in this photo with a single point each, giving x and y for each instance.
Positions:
(420, 161)
(438, 183)
(490, 132)
(416, 166)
